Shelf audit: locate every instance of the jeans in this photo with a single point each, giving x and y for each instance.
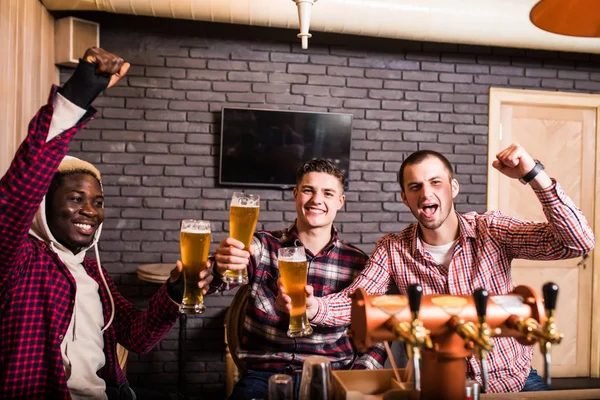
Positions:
(534, 383)
(255, 385)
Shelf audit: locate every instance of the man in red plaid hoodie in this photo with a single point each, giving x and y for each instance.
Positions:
(61, 315)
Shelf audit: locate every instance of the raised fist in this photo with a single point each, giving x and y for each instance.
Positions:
(107, 64)
(514, 161)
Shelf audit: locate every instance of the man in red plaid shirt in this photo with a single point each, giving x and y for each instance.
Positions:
(449, 252)
(62, 316)
(332, 265)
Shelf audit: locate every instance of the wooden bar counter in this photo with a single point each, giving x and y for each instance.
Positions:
(381, 385)
(551, 394)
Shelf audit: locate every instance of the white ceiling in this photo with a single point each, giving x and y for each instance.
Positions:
(480, 22)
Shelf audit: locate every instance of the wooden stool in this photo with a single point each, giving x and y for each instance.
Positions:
(122, 354)
(155, 273)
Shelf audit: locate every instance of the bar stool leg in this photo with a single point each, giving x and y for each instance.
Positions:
(182, 356)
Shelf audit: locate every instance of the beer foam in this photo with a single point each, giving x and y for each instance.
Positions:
(195, 230)
(293, 258)
(244, 203)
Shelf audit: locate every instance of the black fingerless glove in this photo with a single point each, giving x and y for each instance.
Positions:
(175, 289)
(84, 85)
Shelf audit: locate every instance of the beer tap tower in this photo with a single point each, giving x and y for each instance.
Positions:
(442, 331)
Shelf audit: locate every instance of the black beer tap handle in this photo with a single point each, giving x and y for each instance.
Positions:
(550, 291)
(480, 296)
(415, 293)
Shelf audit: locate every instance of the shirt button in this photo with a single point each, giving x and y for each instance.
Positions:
(60, 337)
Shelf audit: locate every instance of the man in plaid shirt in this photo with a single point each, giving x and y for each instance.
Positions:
(62, 316)
(332, 265)
(448, 252)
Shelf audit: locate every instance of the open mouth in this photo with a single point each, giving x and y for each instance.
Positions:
(429, 210)
(85, 229)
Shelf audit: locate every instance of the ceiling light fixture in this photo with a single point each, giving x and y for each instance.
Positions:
(568, 17)
(304, 9)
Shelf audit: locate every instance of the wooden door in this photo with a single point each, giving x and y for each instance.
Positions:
(563, 136)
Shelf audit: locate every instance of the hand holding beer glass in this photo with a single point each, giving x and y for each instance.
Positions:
(243, 215)
(293, 269)
(194, 243)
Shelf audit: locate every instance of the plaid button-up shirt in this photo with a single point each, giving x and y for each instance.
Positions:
(37, 291)
(482, 256)
(265, 345)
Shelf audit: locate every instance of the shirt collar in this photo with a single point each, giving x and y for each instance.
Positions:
(465, 230)
(291, 238)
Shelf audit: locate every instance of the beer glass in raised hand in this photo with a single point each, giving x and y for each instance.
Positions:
(194, 243)
(243, 215)
(293, 270)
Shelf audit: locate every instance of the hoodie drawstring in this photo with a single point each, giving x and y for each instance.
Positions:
(112, 301)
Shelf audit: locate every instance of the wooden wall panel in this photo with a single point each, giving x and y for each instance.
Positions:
(26, 69)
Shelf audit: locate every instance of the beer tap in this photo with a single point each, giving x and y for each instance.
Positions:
(417, 336)
(484, 345)
(550, 333)
(546, 334)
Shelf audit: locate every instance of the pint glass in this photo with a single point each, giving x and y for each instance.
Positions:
(243, 215)
(281, 387)
(293, 270)
(194, 243)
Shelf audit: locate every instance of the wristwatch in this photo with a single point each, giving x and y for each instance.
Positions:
(533, 173)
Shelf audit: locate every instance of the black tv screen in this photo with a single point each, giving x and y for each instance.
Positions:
(265, 147)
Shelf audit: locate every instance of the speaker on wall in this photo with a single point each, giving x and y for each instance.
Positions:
(72, 36)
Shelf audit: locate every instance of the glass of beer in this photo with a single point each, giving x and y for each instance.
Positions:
(243, 215)
(293, 269)
(194, 242)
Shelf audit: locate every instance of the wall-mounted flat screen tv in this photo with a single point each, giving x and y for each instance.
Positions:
(265, 147)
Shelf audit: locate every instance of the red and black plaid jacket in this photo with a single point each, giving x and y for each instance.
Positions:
(37, 292)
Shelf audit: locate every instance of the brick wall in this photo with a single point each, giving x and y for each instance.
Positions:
(156, 140)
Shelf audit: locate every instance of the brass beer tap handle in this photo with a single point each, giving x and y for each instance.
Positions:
(480, 297)
(415, 294)
(402, 331)
(469, 331)
(412, 333)
(531, 329)
(549, 333)
(550, 293)
(419, 336)
(545, 333)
